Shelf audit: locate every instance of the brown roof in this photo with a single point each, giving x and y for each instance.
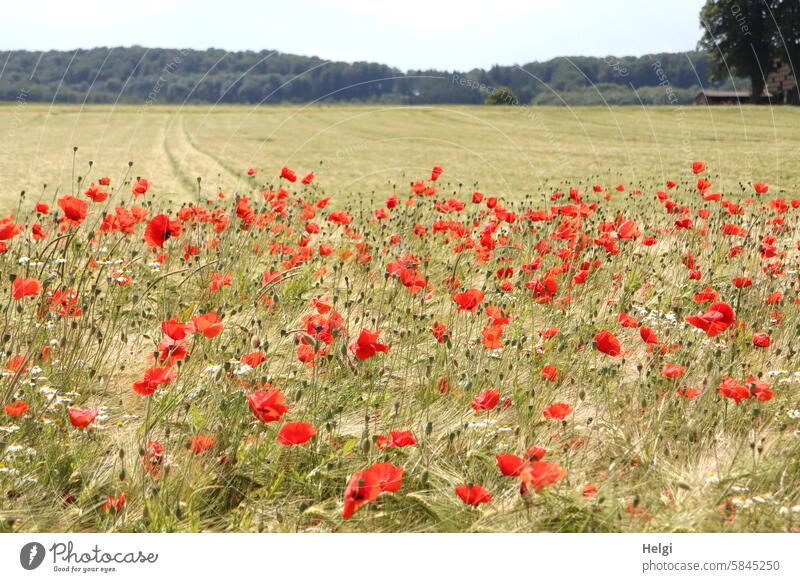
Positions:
(723, 94)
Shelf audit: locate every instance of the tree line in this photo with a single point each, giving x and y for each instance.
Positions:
(167, 76)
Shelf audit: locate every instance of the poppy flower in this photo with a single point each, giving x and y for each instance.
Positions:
(540, 474)
(268, 406)
(75, 210)
(175, 329)
(730, 388)
(153, 378)
(396, 439)
(550, 373)
(140, 187)
(761, 340)
(510, 464)
(698, 167)
(626, 320)
(23, 287)
(153, 457)
(96, 193)
(296, 433)
(367, 345)
(436, 172)
(469, 300)
(160, 229)
(308, 179)
(16, 409)
(606, 342)
(200, 443)
(82, 417)
(707, 295)
(253, 359)
(8, 228)
(115, 503)
(473, 494)
(288, 174)
(672, 371)
(365, 486)
(42, 208)
(439, 331)
(207, 324)
(758, 389)
(486, 400)
(557, 411)
(715, 320)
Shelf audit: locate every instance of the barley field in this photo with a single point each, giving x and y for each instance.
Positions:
(376, 319)
(372, 150)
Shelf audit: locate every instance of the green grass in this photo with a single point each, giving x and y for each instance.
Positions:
(511, 151)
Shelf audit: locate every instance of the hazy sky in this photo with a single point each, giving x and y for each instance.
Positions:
(403, 33)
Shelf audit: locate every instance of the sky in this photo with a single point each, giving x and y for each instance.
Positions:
(408, 34)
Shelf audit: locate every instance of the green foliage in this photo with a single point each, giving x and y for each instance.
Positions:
(163, 76)
(502, 96)
(747, 37)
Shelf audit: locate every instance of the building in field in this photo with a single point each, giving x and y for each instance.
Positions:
(781, 86)
(717, 97)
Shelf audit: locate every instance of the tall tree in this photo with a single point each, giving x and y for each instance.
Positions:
(738, 37)
(787, 14)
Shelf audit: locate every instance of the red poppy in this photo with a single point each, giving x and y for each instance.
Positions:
(254, 359)
(672, 371)
(440, 332)
(23, 287)
(288, 174)
(16, 409)
(367, 485)
(557, 411)
(115, 503)
(367, 345)
(715, 320)
(207, 324)
(510, 465)
(75, 210)
(140, 187)
(296, 433)
(469, 300)
(473, 494)
(698, 167)
(175, 329)
(8, 228)
(730, 388)
(160, 229)
(153, 378)
(540, 474)
(606, 342)
(201, 443)
(761, 340)
(396, 439)
(268, 406)
(436, 172)
(626, 320)
(82, 417)
(550, 373)
(96, 193)
(486, 400)
(308, 179)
